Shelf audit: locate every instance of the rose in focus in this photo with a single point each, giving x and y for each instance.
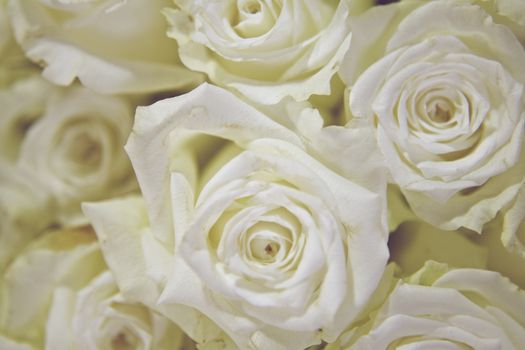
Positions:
(445, 308)
(241, 224)
(443, 84)
(266, 50)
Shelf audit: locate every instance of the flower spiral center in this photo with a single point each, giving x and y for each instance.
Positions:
(254, 18)
(124, 340)
(251, 7)
(264, 249)
(439, 111)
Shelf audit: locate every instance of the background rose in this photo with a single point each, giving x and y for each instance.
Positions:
(58, 147)
(447, 308)
(244, 226)
(94, 41)
(58, 294)
(447, 97)
(75, 146)
(264, 49)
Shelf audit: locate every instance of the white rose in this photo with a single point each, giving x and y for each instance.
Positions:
(94, 41)
(444, 85)
(58, 295)
(75, 146)
(98, 317)
(264, 49)
(242, 225)
(440, 308)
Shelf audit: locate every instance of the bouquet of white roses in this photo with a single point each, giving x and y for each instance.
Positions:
(262, 174)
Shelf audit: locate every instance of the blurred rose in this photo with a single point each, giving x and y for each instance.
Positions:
(72, 140)
(58, 294)
(95, 42)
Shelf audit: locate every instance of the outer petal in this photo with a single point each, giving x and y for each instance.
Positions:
(294, 52)
(514, 224)
(447, 309)
(76, 147)
(68, 258)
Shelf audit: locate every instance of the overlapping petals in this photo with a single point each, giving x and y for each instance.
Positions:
(266, 50)
(449, 310)
(58, 294)
(76, 147)
(269, 243)
(448, 106)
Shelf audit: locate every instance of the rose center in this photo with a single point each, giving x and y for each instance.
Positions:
(124, 340)
(440, 112)
(85, 150)
(251, 7)
(271, 249)
(264, 249)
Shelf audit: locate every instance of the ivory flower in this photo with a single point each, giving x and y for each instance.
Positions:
(240, 223)
(75, 145)
(444, 87)
(447, 309)
(58, 294)
(266, 50)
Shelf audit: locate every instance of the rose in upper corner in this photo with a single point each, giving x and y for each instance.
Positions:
(58, 294)
(442, 308)
(239, 222)
(444, 85)
(266, 50)
(111, 46)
